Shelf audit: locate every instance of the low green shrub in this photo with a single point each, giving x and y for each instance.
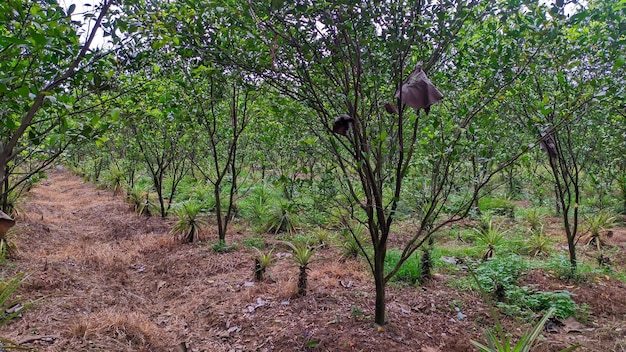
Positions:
(255, 242)
(528, 297)
(410, 272)
(497, 206)
(499, 274)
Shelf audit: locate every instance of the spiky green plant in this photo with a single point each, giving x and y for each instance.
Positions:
(8, 248)
(490, 235)
(533, 217)
(301, 255)
(115, 178)
(189, 222)
(280, 216)
(351, 237)
(139, 200)
(10, 308)
(261, 262)
(537, 242)
(596, 224)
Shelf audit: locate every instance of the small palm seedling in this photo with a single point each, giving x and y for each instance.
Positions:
(281, 217)
(115, 177)
(596, 225)
(351, 237)
(189, 223)
(261, 262)
(538, 243)
(489, 235)
(140, 201)
(302, 254)
(533, 217)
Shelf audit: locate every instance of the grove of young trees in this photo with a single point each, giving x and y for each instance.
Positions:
(226, 108)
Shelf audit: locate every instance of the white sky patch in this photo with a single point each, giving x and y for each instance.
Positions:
(571, 7)
(84, 7)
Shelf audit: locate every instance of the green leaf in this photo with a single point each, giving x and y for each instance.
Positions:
(115, 114)
(54, 138)
(619, 63)
(24, 92)
(312, 343)
(5, 41)
(40, 39)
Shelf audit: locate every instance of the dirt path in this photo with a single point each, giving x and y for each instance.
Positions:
(109, 280)
(81, 248)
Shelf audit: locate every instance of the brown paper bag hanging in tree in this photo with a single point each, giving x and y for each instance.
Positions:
(418, 92)
(343, 124)
(5, 223)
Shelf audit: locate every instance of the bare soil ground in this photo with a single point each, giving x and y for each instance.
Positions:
(105, 279)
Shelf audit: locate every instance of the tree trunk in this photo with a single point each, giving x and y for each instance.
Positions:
(4, 186)
(379, 280)
(258, 271)
(302, 281)
(557, 208)
(571, 246)
(221, 229)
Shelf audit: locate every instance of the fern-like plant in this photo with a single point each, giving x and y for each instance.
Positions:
(261, 262)
(280, 217)
(140, 201)
(351, 237)
(301, 255)
(537, 243)
(596, 224)
(490, 235)
(189, 222)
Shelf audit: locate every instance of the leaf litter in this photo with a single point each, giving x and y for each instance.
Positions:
(107, 279)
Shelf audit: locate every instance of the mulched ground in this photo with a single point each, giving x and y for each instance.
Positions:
(105, 279)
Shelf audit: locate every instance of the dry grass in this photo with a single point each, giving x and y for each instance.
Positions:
(131, 330)
(110, 280)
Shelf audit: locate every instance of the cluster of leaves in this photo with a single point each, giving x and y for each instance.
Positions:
(489, 234)
(262, 261)
(499, 274)
(411, 270)
(9, 307)
(189, 223)
(302, 253)
(499, 341)
(529, 298)
(499, 277)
